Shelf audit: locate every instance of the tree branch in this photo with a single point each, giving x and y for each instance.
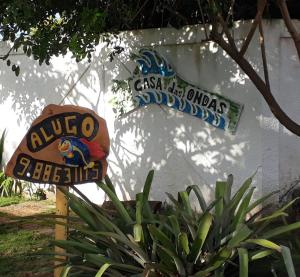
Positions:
(177, 14)
(227, 32)
(4, 57)
(140, 9)
(203, 20)
(289, 24)
(275, 108)
(263, 54)
(260, 9)
(230, 11)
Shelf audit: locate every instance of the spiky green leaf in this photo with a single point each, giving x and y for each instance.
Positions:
(281, 230)
(216, 262)
(265, 243)
(242, 233)
(117, 203)
(203, 229)
(261, 254)
(199, 196)
(161, 237)
(184, 242)
(243, 262)
(220, 192)
(102, 269)
(179, 265)
(288, 261)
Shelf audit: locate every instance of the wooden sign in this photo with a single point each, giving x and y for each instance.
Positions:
(65, 145)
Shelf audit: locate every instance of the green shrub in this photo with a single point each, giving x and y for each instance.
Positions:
(2, 148)
(6, 183)
(9, 186)
(7, 201)
(178, 241)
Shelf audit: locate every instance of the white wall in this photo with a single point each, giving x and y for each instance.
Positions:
(184, 150)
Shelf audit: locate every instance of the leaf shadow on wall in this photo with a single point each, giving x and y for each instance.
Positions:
(183, 149)
(23, 98)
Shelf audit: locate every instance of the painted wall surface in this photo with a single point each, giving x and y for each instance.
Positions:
(181, 148)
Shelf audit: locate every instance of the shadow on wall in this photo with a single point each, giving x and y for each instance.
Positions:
(23, 98)
(38, 86)
(183, 149)
(31, 90)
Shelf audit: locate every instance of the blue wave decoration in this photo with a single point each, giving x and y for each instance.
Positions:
(151, 62)
(174, 102)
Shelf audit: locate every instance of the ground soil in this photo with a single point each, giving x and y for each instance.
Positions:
(23, 217)
(28, 208)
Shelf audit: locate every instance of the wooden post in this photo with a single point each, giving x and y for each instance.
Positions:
(61, 231)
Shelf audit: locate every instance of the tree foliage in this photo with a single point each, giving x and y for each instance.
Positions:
(44, 29)
(49, 28)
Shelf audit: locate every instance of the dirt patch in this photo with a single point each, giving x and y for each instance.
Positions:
(28, 208)
(25, 232)
(14, 214)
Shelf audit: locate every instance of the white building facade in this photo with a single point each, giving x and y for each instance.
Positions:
(182, 149)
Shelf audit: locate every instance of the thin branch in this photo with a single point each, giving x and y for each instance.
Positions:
(203, 20)
(218, 17)
(176, 13)
(74, 85)
(123, 64)
(4, 57)
(260, 9)
(275, 108)
(263, 54)
(289, 24)
(140, 9)
(154, 7)
(227, 32)
(213, 20)
(230, 11)
(214, 29)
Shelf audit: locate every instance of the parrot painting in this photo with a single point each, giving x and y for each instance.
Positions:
(79, 151)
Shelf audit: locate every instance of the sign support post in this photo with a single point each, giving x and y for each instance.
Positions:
(61, 231)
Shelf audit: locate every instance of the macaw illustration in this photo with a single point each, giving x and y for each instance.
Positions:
(79, 151)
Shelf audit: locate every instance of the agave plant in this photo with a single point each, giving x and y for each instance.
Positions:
(221, 240)
(6, 183)
(2, 147)
(8, 186)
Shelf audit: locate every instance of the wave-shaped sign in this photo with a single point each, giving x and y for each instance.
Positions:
(65, 145)
(154, 81)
